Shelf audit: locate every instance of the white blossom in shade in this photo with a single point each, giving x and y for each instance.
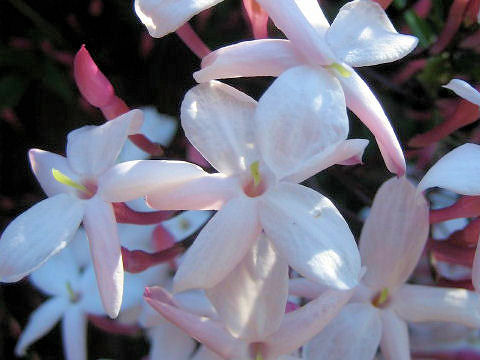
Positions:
(360, 35)
(73, 294)
(296, 328)
(464, 90)
(391, 243)
(159, 128)
(458, 171)
(75, 195)
(262, 151)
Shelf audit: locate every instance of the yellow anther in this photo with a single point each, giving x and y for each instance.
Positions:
(381, 298)
(259, 357)
(254, 169)
(184, 224)
(340, 69)
(71, 293)
(65, 180)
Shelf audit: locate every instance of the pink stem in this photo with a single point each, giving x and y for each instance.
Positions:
(257, 17)
(454, 20)
(192, 40)
(472, 12)
(135, 261)
(422, 8)
(465, 207)
(410, 69)
(126, 215)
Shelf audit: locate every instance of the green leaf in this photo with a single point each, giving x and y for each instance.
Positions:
(420, 28)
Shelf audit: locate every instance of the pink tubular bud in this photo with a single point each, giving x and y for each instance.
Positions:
(471, 42)
(422, 8)
(384, 3)
(257, 17)
(290, 306)
(465, 207)
(454, 20)
(91, 82)
(192, 40)
(162, 238)
(443, 251)
(135, 261)
(126, 215)
(471, 14)
(468, 236)
(410, 69)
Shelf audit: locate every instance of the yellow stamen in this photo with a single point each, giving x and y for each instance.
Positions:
(259, 357)
(254, 169)
(71, 293)
(340, 69)
(65, 180)
(381, 298)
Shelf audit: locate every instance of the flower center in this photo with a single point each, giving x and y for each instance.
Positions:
(255, 184)
(381, 299)
(340, 69)
(73, 296)
(84, 191)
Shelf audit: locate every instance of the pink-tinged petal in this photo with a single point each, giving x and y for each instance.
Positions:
(74, 334)
(258, 18)
(365, 105)
(169, 342)
(305, 288)
(91, 82)
(267, 57)
(220, 246)
(37, 234)
(456, 171)
(59, 272)
(251, 300)
(310, 233)
(294, 126)
(41, 321)
(353, 335)
(301, 325)
(42, 163)
(395, 342)
(101, 229)
(418, 303)
(133, 179)
(394, 234)
(348, 152)
(91, 150)
(209, 332)
(165, 16)
(303, 22)
(209, 192)
(218, 121)
(363, 35)
(464, 90)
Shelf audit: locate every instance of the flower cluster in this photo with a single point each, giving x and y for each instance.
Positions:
(275, 272)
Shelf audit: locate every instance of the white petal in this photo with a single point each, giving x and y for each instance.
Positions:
(74, 334)
(59, 272)
(41, 321)
(305, 288)
(476, 270)
(186, 223)
(251, 300)
(362, 35)
(169, 342)
(458, 171)
(351, 149)
(165, 16)
(91, 150)
(394, 234)
(159, 128)
(394, 343)
(301, 325)
(218, 121)
(464, 90)
(204, 353)
(37, 234)
(296, 124)
(303, 22)
(419, 303)
(266, 57)
(90, 300)
(42, 163)
(101, 228)
(220, 246)
(310, 233)
(133, 179)
(353, 335)
(365, 105)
